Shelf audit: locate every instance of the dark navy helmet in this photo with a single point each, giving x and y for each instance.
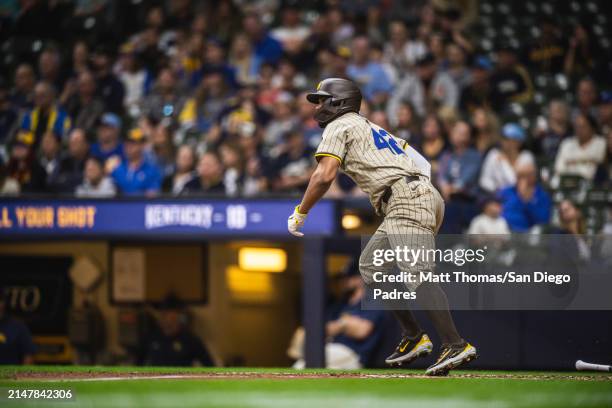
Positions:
(338, 95)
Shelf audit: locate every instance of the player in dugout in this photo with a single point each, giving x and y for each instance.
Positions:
(16, 346)
(352, 333)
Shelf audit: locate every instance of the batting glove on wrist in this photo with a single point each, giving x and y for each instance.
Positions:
(295, 222)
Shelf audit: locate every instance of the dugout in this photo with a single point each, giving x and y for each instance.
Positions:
(240, 274)
(231, 261)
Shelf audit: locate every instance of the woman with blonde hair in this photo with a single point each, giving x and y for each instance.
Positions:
(486, 129)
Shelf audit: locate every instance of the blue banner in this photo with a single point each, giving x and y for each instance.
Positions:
(158, 218)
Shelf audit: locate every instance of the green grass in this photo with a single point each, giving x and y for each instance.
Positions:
(528, 390)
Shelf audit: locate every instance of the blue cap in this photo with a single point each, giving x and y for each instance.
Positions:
(110, 119)
(606, 97)
(514, 131)
(483, 62)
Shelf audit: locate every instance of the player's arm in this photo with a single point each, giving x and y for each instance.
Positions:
(330, 152)
(320, 181)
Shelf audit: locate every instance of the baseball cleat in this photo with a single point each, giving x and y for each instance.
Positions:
(409, 350)
(452, 357)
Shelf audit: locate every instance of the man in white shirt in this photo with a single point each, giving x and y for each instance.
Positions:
(581, 154)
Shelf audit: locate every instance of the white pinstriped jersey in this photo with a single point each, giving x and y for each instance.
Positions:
(370, 155)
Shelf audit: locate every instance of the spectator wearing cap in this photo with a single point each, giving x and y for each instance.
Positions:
(134, 175)
(582, 153)
(498, 168)
(23, 166)
(95, 183)
(477, 94)
(525, 204)
(46, 115)
(109, 88)
(490, 221)
(84, 106)
(425, 90)
(108, 143)
(458, 179)
(22, 95)
(16, 345)
(8, 114)
(266, 47)
(374, 82)
(552, 130)
(510, 81)
(209, 177)
(72, 164)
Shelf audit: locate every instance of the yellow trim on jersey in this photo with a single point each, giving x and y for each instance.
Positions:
(405, 145)
(329, 155)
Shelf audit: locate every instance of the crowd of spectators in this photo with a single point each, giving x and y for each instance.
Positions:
(189, 97)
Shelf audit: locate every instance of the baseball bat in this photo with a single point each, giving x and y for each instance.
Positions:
(582, 366)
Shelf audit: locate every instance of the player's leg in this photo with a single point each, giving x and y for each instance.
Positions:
(417, 212)
(414, 342)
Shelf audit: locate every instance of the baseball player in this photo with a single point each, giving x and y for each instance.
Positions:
(396, 179)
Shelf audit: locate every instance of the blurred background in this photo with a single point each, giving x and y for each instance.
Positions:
(150, 152)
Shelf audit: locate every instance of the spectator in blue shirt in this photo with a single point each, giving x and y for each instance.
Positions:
(525, 204)
(134, 175)
(458, 180)
(108, 144)
(266, 47)
(459, 167)
(371, 76)
(16, 346)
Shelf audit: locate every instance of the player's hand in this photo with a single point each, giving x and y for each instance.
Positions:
(295, 222)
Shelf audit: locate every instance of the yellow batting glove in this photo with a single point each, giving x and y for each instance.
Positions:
(295, 222)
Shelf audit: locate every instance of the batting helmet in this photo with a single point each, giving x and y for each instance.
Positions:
(339, 96)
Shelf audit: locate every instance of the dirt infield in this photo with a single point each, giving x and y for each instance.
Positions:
(135, 375)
